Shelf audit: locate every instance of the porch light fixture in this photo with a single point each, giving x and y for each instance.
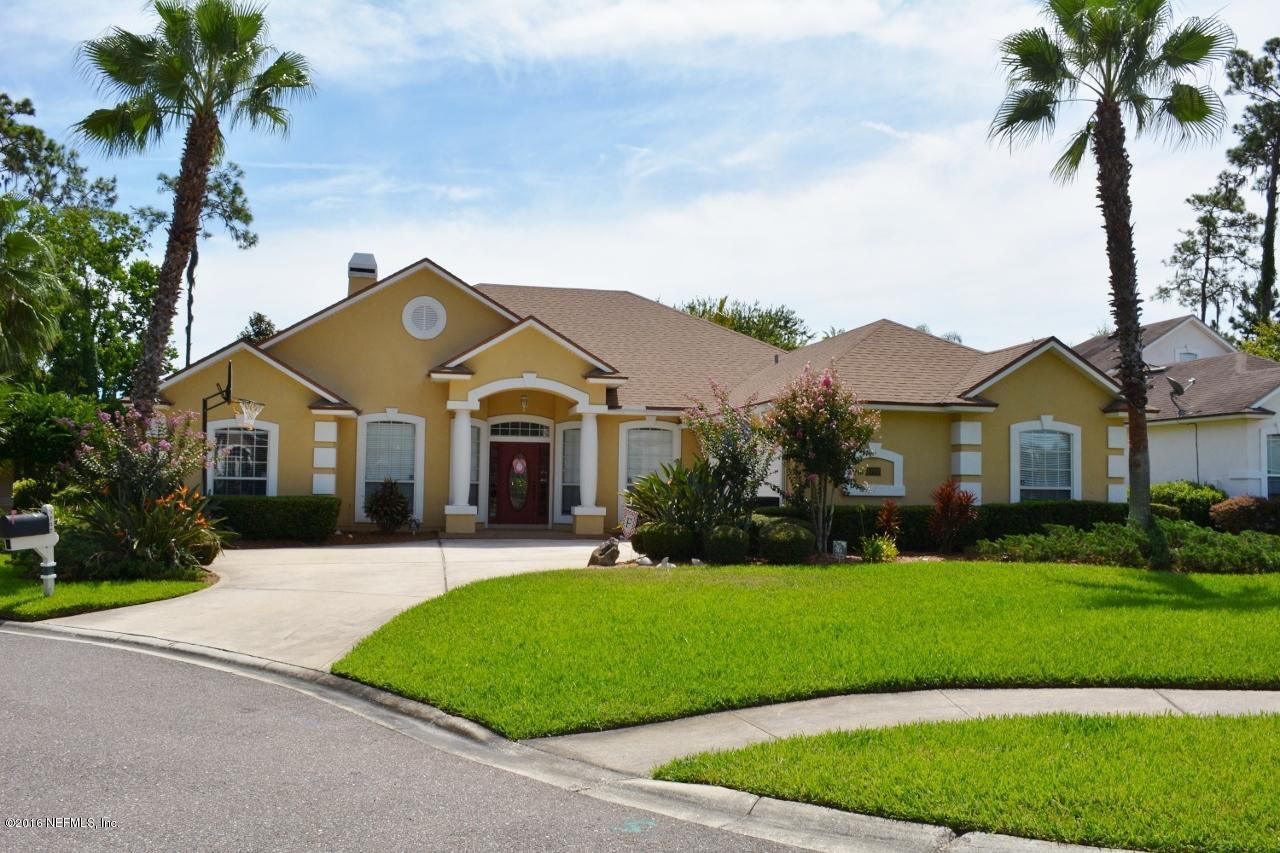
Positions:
(246, 413)
(524, 402)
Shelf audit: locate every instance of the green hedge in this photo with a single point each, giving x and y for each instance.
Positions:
(786, 544)
(853, 522)
(1193, 500)
(665, 539)
(308, 518)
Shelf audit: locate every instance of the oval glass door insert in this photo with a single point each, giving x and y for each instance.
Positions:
(518, 482)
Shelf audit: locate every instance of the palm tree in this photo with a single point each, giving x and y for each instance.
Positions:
(207, 63)
(1128, 62)
(30, 292)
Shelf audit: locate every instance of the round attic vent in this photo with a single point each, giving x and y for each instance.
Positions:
(423, 317)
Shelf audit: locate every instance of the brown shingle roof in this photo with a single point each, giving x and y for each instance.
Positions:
(887, 362)
(668, 354)
(1224, 384)
(1101, 351)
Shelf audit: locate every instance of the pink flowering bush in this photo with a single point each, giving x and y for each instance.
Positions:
(737, 448)
(823, 433)
(141, 519)
(134, 459)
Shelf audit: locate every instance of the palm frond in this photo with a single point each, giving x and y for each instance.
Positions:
(1068, 164)
(1025, 114)
(1068, 17)
(1198, 42)
(128, 127)
(1190, 113)
(121, 61)
(1033, 57)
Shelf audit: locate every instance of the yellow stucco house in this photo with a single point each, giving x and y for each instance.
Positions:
(497, 405)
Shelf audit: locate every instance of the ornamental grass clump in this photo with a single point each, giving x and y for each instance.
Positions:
(823, 432)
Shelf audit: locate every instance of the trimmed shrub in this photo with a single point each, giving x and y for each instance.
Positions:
(786, 543)
(879, 549)
(726, 544)
(1193, 500)
(1166, 511)
(307, 518)
(659, 539)
(855, 522)
(30, 494)
(1236, 515)
(1191, 548)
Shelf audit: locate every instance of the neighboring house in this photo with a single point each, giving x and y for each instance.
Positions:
(1165, 342)
(508, 405)
(1223, 428)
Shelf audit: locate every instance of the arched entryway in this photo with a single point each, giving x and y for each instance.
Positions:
(525, 463)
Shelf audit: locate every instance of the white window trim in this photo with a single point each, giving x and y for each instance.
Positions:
(882, 490)
(625, 428)
(272, 430)
(557, 452)
(419, 456)
(1045, 422)
(533, 419)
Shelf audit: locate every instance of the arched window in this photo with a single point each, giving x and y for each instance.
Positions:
(1044, 461)
(246, 458)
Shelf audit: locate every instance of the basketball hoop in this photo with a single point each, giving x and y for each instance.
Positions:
(247, 412)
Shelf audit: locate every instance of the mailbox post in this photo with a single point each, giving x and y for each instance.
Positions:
(33, 531)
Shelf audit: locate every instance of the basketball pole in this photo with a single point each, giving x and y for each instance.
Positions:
(223, 396)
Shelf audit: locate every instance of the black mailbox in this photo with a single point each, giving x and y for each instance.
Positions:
(29, 524)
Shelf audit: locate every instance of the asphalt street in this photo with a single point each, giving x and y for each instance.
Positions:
(159, 754)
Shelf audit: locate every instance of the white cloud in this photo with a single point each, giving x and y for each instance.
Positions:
(943, 228)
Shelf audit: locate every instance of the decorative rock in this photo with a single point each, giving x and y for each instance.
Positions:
(695, 562)
(605, 555)
(666, 563)
(644, 561)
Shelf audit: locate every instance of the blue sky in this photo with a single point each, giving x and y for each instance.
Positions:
(828, 154)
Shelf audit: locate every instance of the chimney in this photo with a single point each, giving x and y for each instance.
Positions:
(362, 271)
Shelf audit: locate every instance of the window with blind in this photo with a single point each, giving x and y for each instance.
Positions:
(1044, 465)
(570, 469)
(388, 455)
(648, 449)
(473, 496)
(1273, 466)
(242, 462)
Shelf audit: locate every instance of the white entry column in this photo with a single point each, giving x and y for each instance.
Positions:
(588, 462)
(460, 460)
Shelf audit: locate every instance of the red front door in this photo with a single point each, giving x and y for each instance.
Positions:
(522, 474)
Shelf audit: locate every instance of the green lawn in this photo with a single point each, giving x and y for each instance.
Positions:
(580, 650)
(23, 599)
(1152, 783)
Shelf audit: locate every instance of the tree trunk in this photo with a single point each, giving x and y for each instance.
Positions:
(188, 200)
(1267, 277)
(1117, 215)
(1204, 278)
(191, 292)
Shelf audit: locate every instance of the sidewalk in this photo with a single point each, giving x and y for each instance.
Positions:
(641, 748)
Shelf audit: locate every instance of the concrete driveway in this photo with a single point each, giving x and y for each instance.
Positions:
(309, 606)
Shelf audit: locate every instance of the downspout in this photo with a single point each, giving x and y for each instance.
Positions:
(1196, 427)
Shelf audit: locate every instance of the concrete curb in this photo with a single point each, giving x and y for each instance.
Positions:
(797, 824)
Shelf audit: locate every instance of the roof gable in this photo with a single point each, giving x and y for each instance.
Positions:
(245, 346)
(1035, 349)
(385, 283)
(536, 325)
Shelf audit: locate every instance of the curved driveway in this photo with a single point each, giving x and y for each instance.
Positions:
(309, 606)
